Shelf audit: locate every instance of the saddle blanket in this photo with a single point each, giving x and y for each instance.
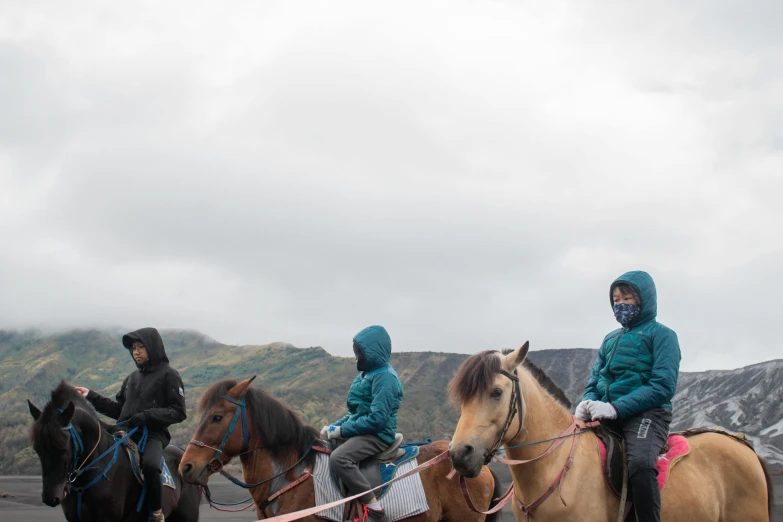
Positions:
(165, 474)
(404, 499)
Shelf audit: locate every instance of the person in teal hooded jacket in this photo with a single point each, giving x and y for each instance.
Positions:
(371, 423)
(632, 383)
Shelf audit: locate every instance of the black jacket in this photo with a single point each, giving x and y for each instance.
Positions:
(154, 389)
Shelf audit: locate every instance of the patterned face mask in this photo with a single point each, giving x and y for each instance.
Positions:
(625, 313)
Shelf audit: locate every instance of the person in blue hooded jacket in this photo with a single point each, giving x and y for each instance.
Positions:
(371, 423)
(632, 384)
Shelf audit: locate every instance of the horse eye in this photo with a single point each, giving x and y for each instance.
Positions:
(496, 393)
(217, 418)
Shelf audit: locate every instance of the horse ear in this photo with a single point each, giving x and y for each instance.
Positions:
(240, 389)
(516, 357)
(35, 412)
(67, 414)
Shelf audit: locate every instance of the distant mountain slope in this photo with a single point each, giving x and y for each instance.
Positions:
(315, 383)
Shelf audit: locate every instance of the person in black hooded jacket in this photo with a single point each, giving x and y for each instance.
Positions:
(151, 396)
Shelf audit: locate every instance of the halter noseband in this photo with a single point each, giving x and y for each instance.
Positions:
(215, 464)
(514, 408)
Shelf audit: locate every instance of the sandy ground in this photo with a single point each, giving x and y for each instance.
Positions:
(23, 502)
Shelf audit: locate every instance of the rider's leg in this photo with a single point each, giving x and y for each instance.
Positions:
(344, 462)
(645, 435)
(150, 467)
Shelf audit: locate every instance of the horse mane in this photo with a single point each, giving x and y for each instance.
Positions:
(477, 375)
(280, 427)
(46, 429)
(548, 384)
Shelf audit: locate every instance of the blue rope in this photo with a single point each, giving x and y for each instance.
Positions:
(75, 475)
(111, 448)
(208, 494)
(141, 498)
(250, 486)
(142, 445)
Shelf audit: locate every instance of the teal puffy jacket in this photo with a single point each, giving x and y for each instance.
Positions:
(376, 393)
(637, 367)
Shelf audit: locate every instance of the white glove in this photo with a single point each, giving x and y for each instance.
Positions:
(334, 432)
(582, 412)
(324, 432)
(601, 410)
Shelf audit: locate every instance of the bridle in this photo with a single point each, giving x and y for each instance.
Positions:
(514, 408)
(81, 469)
(216, 464)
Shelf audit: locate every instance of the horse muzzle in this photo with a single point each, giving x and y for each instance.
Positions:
(195, 473)
(466, 460)
(51, 498)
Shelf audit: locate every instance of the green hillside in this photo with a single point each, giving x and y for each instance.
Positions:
(310, 380)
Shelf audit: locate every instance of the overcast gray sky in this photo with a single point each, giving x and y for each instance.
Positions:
(470, 174)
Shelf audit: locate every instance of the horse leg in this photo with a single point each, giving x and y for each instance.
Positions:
(188, 505)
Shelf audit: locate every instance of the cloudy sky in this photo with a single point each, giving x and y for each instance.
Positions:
(470, 174)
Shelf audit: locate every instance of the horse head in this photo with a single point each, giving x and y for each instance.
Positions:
(52, 437)
(487, 390)
(222, 432)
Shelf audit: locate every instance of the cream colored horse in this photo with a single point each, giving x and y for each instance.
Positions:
(721, 480)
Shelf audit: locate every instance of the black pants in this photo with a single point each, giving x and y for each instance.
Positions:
(645, 434)
(150, 468)
(344, 462)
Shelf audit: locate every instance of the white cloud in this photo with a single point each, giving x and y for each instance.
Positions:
(470, 174)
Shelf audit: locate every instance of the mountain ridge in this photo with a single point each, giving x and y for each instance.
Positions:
(315, 383)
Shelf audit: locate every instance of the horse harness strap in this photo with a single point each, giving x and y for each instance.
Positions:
(558, 482)
(263, 505)
(215, 464)
(78, 448)
(514, 409)
(573, 431)
(308, 473)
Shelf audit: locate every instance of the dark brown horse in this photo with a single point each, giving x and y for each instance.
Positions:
(277, 440)
(69, 437)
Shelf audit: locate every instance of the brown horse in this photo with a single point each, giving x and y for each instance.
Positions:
(721, 480)
(277, 440)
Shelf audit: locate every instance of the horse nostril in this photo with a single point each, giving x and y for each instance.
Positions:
(468, 449)
(186, 468)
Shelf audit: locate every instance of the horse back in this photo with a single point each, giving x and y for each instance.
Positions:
(722, 479)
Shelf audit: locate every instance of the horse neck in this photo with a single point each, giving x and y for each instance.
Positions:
(262, 464)
(544, 418)
(93, 436)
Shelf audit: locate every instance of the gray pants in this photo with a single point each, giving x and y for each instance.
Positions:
(344, 462)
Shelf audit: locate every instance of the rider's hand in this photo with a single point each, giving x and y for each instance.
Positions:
(82, 391)
(325, 432)
(334, 432)
(139, 419)
(602, 410)
(582, 412)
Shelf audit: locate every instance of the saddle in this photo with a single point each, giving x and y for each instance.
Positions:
(135, 459)
(382, 467)
(611, 448)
